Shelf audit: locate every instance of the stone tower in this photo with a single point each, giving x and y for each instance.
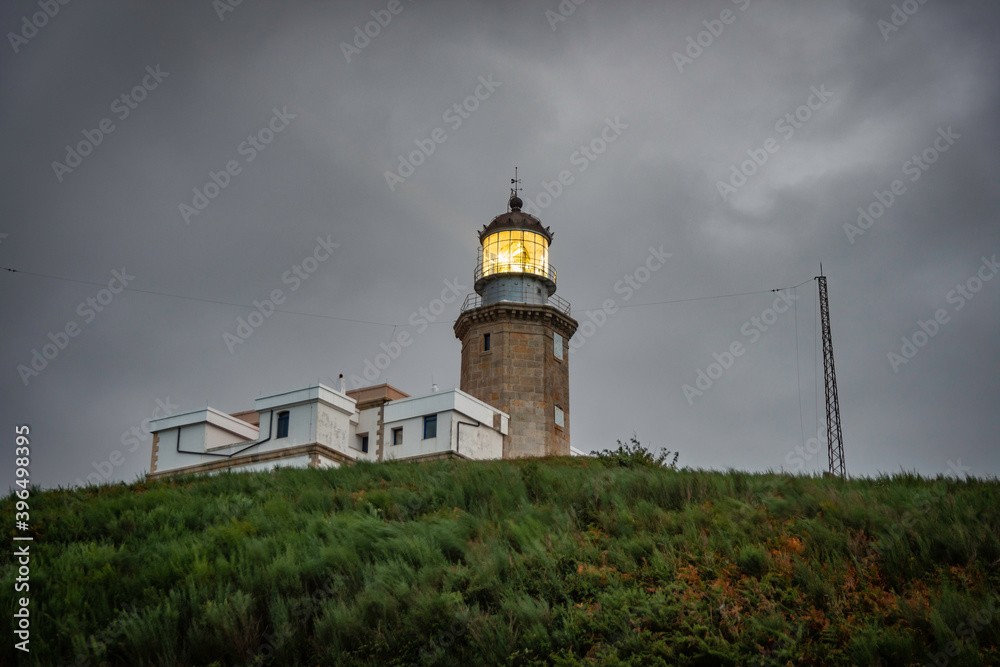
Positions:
(515, 335)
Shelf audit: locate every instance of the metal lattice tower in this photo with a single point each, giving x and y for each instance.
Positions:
(834, 437)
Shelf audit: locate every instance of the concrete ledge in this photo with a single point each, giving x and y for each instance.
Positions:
(318, 392)
(436, 456)
(313, 450)
(206, 415)
(511, 310)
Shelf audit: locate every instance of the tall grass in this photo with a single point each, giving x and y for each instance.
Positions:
(539, 562)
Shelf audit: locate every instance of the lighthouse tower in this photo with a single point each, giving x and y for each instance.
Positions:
(515, 334)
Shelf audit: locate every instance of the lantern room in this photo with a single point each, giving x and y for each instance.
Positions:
(515, 251)
(514, 259)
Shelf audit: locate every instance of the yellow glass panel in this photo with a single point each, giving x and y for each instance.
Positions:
(516, 251)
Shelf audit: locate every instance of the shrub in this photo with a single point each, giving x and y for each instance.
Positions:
(633, 455)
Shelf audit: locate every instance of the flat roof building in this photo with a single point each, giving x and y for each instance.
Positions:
(321, 427)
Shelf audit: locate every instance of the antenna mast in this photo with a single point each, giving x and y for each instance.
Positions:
(834, 436)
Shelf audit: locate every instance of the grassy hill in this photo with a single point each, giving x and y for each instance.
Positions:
(545, 562)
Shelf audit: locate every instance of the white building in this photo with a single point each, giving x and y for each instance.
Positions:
(319, 427)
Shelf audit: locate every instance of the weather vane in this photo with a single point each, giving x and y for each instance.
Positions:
(514, 182)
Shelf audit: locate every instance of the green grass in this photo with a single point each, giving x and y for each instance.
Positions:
(539, 562)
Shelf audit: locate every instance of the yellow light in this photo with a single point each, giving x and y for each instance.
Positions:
(515, 252)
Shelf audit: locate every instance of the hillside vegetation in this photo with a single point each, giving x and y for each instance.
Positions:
(532, 562)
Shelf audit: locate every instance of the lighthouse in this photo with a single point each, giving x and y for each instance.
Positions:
(515, 334)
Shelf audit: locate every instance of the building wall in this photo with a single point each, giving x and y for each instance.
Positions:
(323, 432)
(414, 443)
(213, 436)
(516, 287)
(192, 439)
(290, 462)
(367, 423)
(251, 417)
(165, 455)
(520, 374)
(450, 407)
(326, 462)
(333, 428)
(477, 442)
(300, 426)
(204, 442)
(409, 414)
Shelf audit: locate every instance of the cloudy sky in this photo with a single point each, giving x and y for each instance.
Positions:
(167, 165)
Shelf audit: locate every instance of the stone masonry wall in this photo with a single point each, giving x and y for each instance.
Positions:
(520, 373)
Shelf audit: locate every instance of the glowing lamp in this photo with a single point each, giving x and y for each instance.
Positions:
(514, 259)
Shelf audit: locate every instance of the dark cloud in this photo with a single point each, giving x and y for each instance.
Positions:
(324, 176)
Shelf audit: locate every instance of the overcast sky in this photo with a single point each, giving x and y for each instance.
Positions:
(740, 137)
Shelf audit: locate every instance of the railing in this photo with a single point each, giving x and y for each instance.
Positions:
(519, 294)
(545, 271)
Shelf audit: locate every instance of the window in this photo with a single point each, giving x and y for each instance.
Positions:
(364, 443)
(515, 251)
(486, 342)
(560, 418)
(557, 345)
(430, 427)
(282, 425)
(397, 436)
